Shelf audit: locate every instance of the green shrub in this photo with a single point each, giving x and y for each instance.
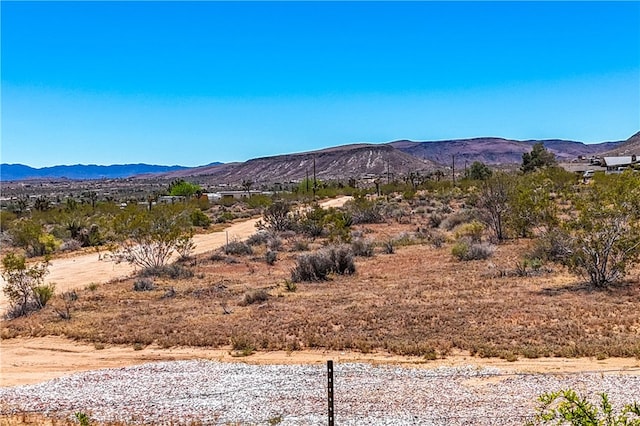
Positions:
(24, 285)
(225, 217)
(199, 218)
(566, 407)
(472, 230)
(43, 293)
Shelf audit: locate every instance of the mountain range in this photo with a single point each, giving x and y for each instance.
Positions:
(341, 162)
(10, 172)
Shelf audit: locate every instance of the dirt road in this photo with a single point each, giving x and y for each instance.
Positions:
(33, 360)
(79, 271)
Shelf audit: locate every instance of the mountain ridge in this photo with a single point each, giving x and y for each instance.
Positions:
(13, 172)
(355, 160)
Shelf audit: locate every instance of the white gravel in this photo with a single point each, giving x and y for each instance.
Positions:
(209, 392)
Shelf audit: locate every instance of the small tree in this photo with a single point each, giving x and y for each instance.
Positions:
(479, 171)
(24, 284)
(493, 203)
(182, 188)
(538, 158)
(148, 238)
(531, 205)
(603, 238)
(276, 217)
(246, 185)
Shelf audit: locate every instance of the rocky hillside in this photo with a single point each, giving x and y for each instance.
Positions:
(340, 162)
(496, 151)
(629, 147)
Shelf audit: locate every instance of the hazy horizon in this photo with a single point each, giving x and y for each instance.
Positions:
(188, 84)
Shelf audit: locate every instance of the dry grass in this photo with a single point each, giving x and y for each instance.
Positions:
(418, 301)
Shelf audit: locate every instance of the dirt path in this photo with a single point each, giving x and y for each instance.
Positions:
(79, 271)
(33, 360)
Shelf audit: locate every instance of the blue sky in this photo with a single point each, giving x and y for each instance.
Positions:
(192, 83)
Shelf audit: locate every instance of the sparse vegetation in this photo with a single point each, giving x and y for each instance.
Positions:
(423, 300)
(566, 407)
(24, 286)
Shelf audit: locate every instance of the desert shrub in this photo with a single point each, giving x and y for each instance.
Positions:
(70, 245)
(277, 217)
(312, 267)
(527, 266)
(91, 236)
(148, 238)
(456, 219)
(436, 238)
(342, 259)
(362, 210)
(270, 257)
(256, 296)
(435, 219)
(290, 286)
(550, 246)
(317, 266)
(312, 222)
(143, 284)
(24, 285)
(404, 239)
(274, 243)
(260, 237)
(361, 247)
(465, 249)
(472, 230)
(242, 345)
(185, 246)
(300, 245)
(43, 293)
(225, 217)
(173, 271)
(238, 248)
(68, 299)
(566, 407)
(199, 218)
(388, 247)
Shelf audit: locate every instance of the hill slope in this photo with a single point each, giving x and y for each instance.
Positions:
(496, 150)
(340, 162)
(629, 147)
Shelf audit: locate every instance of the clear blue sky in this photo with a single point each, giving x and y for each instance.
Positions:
(193, 83)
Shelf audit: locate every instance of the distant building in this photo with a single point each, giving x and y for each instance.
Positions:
(618, 164)
(170, 199)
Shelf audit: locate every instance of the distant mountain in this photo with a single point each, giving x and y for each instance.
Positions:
(496, 151)
(629, 147)
(341, 162)
(10, 172)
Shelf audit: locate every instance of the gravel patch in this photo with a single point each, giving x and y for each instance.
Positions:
(207, 392)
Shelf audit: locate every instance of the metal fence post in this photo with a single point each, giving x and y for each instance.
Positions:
(330, 391)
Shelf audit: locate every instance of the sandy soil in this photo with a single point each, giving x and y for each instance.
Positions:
(33, 360)
(79, 271)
